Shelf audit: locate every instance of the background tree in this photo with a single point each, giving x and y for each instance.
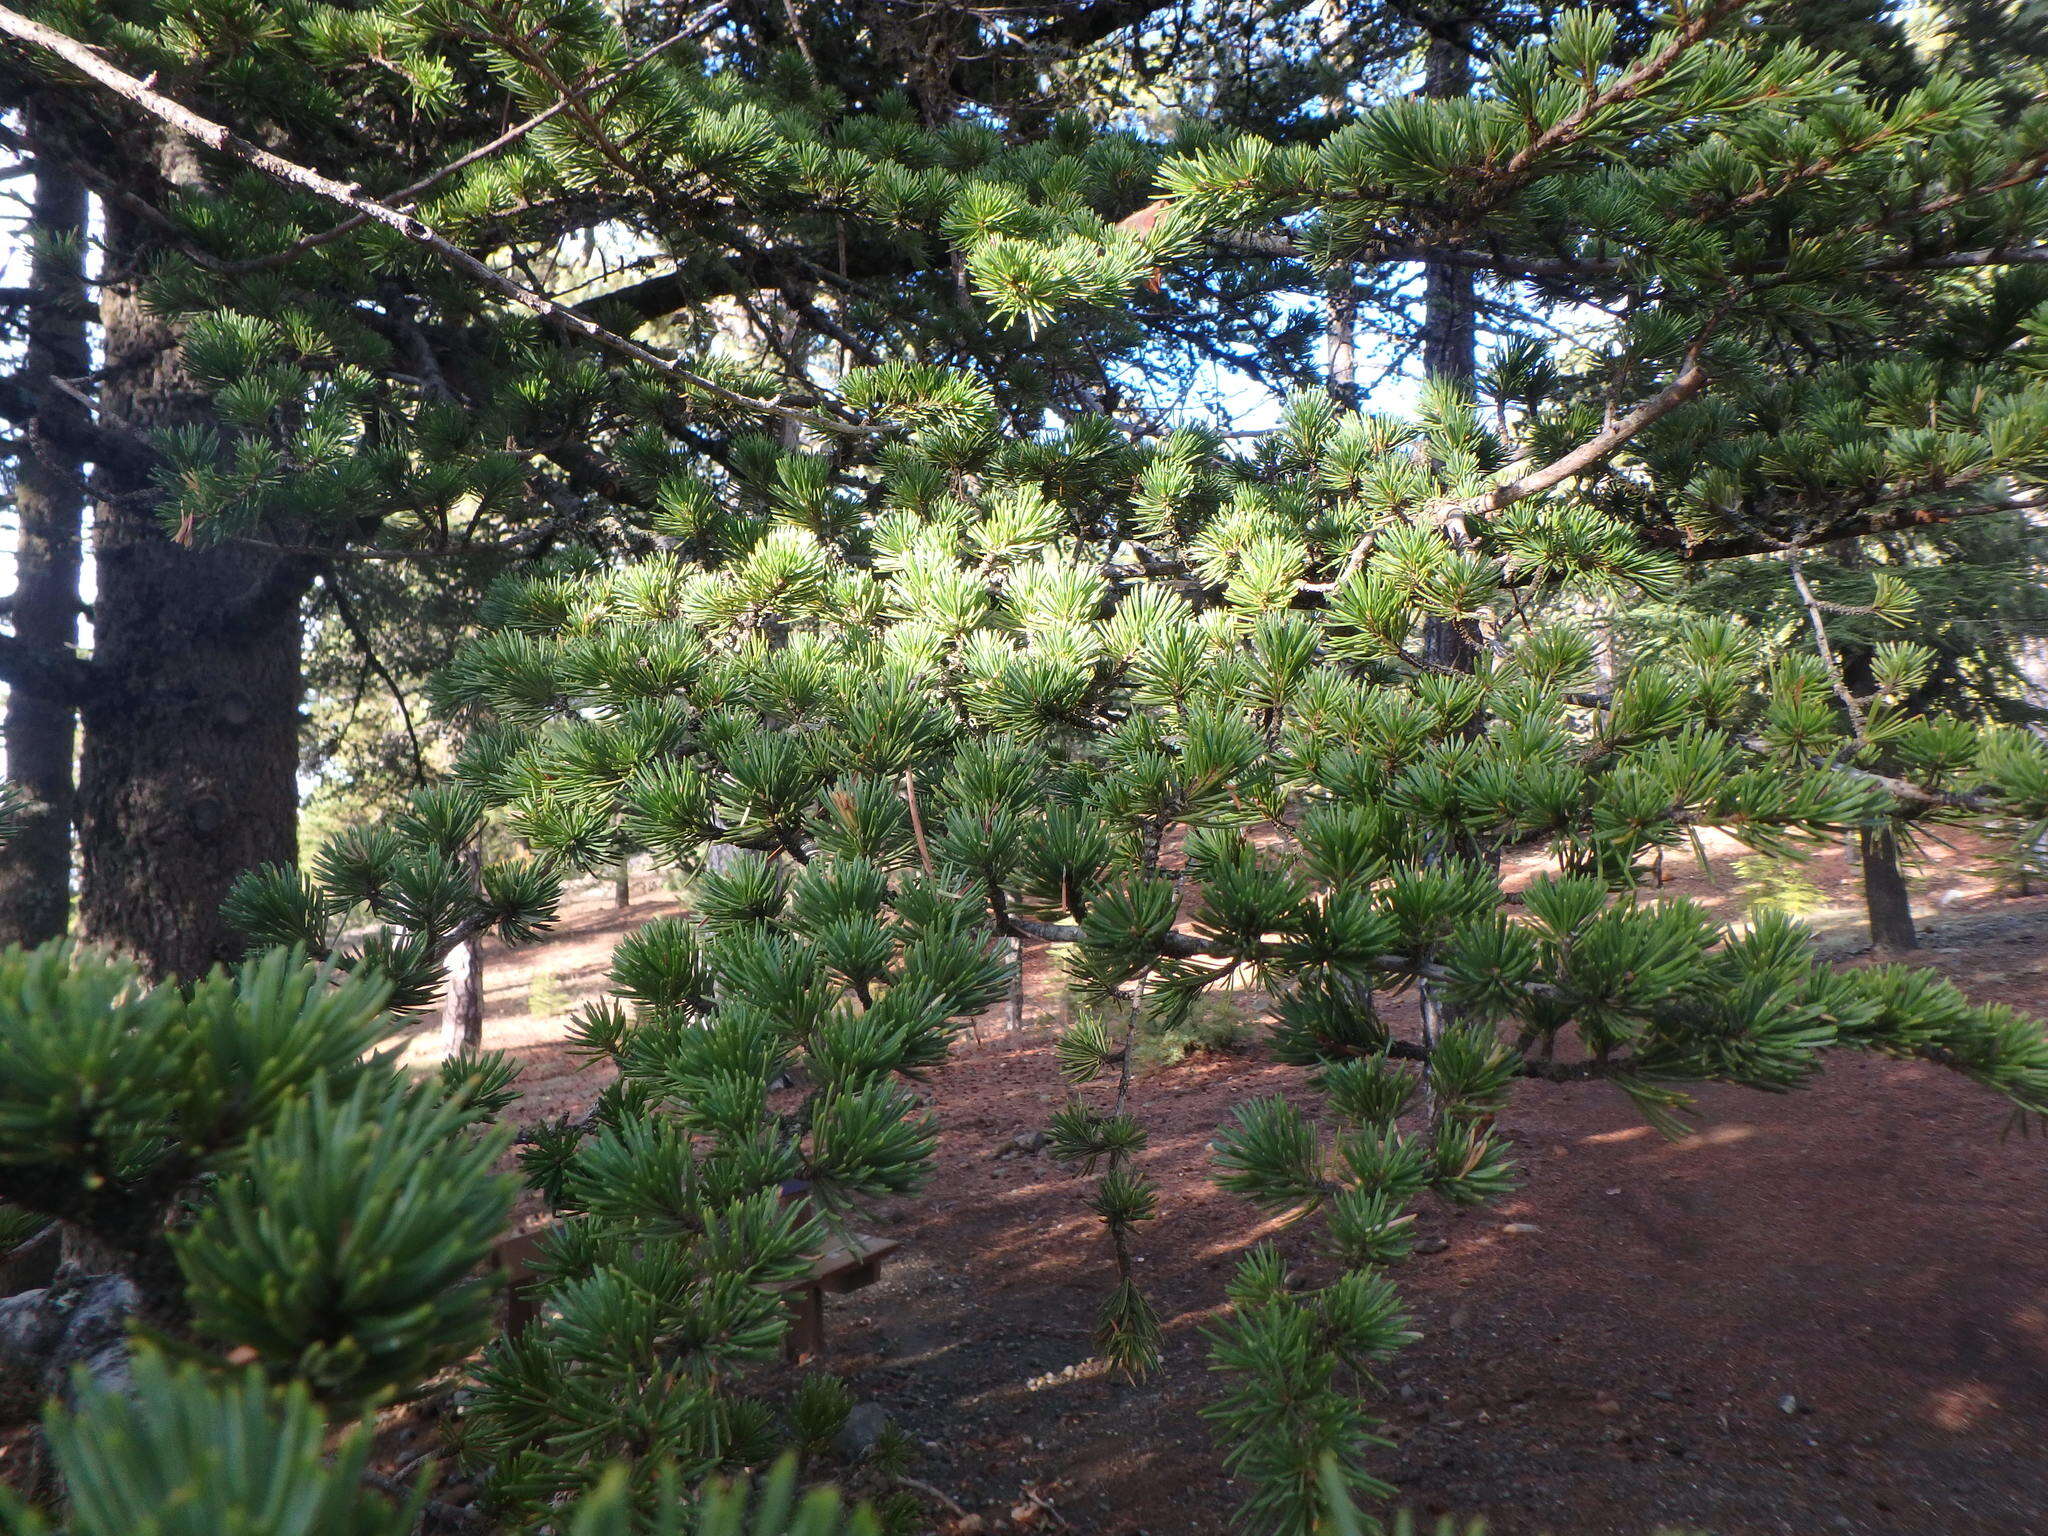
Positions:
(402, 414)
(49, 503)
(379, 633)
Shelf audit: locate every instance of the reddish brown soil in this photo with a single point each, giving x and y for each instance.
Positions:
(1825, 1312)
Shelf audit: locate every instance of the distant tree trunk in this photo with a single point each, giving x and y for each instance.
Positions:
(1340, 298)
(1450, 301)
(462, 1004)
(1450, 311)
(1450, 331)
(718, 858)
(1885, 897)
(189, 771)
(622, 883)
(1886, 901)
(1341, 339)
(1013, 1013)
(462, 995)
(49, 498)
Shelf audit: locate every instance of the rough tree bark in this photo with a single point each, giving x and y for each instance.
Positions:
(1450, 309)
(1885, 897)
(1449, 354)
(189, 771)
(1450, 301)
(1340, 299)
(41, 721)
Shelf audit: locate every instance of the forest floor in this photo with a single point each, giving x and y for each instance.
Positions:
(1823, 1312)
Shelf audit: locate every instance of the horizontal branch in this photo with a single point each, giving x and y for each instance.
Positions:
(1542, 1071)
(1280, 247)
(1918, 797)
(1184, 946)
(59, 674)
(1882, 518)
(215, 136)
(404, 197)
(73, 432)
(1690, 379)
(1175, 945)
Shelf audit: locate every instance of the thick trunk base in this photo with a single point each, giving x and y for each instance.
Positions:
(189, 770)
(189, 774)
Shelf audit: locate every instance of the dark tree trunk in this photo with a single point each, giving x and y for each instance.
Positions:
(622, 883)
(1450, 301)
(1450, 324)
(1885, 897)
(1886, 900)
(41, 723)
(1446, 647)
(1450, 306)
(189, 773)
(1449, 316)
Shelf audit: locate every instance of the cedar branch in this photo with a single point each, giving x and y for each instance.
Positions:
(223, 140)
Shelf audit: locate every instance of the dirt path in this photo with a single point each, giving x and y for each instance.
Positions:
(1826, 1312)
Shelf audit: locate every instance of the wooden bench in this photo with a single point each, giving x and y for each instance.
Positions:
(846, 1265)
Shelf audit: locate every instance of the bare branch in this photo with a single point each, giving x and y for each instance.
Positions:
(1689, 381)
(50, 673)
(353, 622)
(1828, 658)
(1890, 517)
(1281, 247)
(76, 433)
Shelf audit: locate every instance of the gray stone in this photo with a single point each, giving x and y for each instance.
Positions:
(45, 1335)
(862, 1431)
